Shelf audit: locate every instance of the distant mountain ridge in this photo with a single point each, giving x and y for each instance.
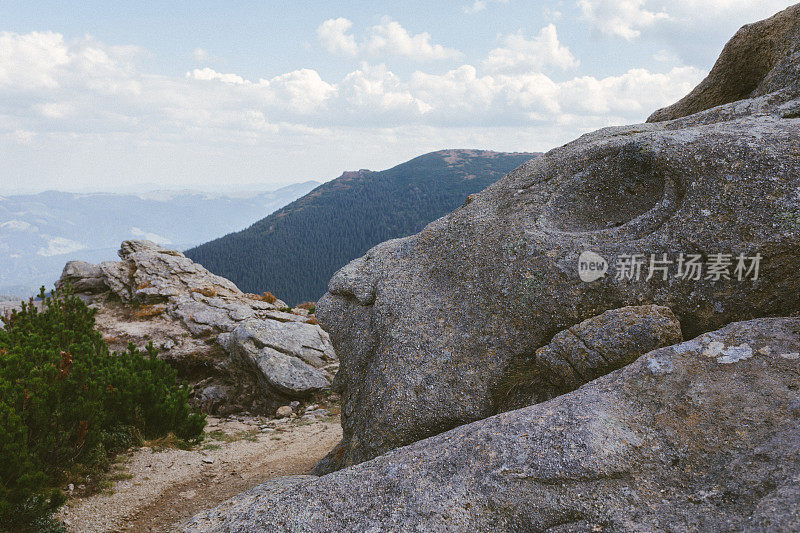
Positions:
(295, 251)
(39, 233)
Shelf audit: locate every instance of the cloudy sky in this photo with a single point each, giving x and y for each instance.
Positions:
(119, 95)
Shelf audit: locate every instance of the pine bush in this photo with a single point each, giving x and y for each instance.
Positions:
(65, 399)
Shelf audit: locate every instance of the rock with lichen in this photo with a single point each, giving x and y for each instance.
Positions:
(699, 436)
(213, 333)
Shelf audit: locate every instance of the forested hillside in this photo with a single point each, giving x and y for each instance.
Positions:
(295, 251)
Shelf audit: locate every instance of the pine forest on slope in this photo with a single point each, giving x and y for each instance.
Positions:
(295, 251)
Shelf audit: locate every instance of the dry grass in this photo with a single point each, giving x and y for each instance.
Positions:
(205, 291)
(221, 436)
(266, 297)
(308, 306)
(164, 443)
(524, 384)
(145, 312)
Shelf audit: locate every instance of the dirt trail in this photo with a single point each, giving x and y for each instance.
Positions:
(170, 485)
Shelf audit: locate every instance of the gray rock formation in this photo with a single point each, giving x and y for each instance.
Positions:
(588, 350)
(429, 327)
(699, 436)
(84, 277)
(240, 350)
(760, 59)
(284, 355)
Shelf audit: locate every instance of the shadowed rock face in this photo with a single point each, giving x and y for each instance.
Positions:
(428, 327)
(699, 436)
(587, 351)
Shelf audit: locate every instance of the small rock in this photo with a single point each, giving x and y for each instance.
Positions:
(208, 460)
(295, 404)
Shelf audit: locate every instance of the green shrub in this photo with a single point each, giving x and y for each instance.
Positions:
(66, 401)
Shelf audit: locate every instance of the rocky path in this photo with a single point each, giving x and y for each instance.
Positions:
(169, 485)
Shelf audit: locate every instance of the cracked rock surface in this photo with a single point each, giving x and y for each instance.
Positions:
(241, 351)
(682, 439)
(588, 350)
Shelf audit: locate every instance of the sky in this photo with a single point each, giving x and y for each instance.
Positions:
(109, 95)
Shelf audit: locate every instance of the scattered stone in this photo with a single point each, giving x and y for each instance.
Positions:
(283, 411)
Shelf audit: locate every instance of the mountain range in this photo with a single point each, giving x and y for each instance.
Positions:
(41, 232)
(294, 251)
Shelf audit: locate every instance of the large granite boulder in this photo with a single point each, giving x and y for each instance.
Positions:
(241, 351)
(699, 436)
(429, 327)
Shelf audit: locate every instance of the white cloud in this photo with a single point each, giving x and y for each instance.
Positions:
(23, 136)
(665, 56)
(30, 61)
(96, 91)
(54, 109)
(59, 246)
(334, 37)
(542, 51)
(479, 5)
(211, 74)
(99, 108)
(18, 225)
(630, 18)
(375, 89)
(302, 91)
(621, 18)
(388, 38)
(200, 55)
(636, 92)
(154, 237)
(476, 7)
(462, 96)
(552, 14)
